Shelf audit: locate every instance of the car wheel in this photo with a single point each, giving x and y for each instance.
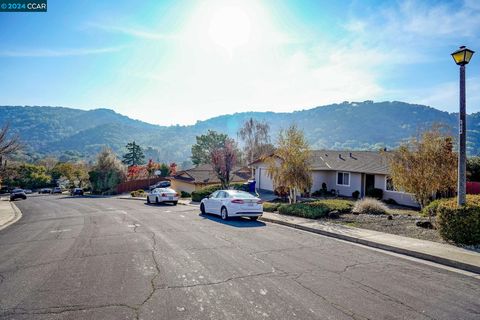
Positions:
(254, 218)
(148, 199)
(224, 213)
(156, 200)
(202, 208)
(175, 203)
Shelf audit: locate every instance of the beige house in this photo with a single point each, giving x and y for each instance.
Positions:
(345, 172)
(203, 176)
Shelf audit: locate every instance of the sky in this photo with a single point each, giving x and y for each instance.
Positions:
(178, 62)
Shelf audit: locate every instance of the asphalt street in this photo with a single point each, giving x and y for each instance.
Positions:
(105, 258)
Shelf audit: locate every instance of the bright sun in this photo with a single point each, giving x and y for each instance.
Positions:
(229, 27)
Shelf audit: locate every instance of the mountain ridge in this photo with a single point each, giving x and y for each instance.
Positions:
(366, 125)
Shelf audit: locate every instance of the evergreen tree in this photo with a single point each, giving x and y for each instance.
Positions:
(134, 155)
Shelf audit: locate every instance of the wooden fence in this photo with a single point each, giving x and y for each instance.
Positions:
(132, 185)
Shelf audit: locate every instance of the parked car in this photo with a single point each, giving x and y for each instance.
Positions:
(76, 192)
(27, 191)
(57, 190)
(159, 195)
(232, 203)
(45, 190)
(17, 194)
(161, 184)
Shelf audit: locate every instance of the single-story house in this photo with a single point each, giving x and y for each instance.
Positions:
(202, 176)
(345, 172)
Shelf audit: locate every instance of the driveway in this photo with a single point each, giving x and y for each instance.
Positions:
(105, 258)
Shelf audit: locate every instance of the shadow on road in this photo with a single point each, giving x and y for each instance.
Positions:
(161, 204)
(237, 222)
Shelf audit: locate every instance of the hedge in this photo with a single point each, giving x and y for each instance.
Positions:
(198, 195)
(460, 225)
(315, 209)
(271, 207)
(184, 194)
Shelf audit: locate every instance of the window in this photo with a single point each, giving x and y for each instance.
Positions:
(215, 194)
(343, 178)
(389, 184)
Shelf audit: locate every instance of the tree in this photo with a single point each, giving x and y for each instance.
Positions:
(173, 168)
(206, 143)
(134, 155)
(8, 145)
(30, 176)
(424, 166)
(290, 166)
(164, 169)
(107, 173)
(473, 169)
(223, 160)
(256, 139)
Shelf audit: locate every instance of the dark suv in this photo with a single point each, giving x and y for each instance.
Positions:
(17, 194)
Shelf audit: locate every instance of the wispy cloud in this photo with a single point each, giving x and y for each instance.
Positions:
(57, 52)
(132, 31)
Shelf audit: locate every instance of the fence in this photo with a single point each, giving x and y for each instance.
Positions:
(473, 187)
(138, 184)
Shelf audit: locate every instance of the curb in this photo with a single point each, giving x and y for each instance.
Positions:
(415, 254)
(17, 216)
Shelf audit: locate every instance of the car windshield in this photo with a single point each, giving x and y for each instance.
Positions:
(241, 194)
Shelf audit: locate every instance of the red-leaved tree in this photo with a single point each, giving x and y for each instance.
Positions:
(223, 160)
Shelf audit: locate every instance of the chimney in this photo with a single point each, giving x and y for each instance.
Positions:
(340, 156)
(351, 155)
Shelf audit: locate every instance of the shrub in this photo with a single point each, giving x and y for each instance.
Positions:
(375, 193)
(315, 209)
(355, 194)
(138, 193)
(305, 210)
(184, 194)
(460, 225)
(271, 207)
(369, 206)
(198, 195)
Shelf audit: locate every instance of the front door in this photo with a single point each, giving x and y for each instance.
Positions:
(369, 182)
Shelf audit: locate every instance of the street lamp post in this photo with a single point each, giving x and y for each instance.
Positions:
(462, 57)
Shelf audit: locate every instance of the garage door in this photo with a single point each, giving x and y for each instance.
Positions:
(264, 182)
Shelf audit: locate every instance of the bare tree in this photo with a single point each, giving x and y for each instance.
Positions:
(256, 139)
(223, 160)
(8, 145)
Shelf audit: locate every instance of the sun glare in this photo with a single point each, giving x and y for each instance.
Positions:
(229, 27)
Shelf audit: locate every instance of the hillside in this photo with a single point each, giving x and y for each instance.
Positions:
(77, 133)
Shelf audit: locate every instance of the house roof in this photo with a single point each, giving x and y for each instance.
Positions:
(205, 174)
(373, 162)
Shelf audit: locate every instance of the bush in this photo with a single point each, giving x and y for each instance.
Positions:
(355, 194)
(305, 210)
(198, 195)
(369, 206)
(271, 207)
(374, 193)
(138, 193)
(460, 225)
(184, 194)
(315, 209)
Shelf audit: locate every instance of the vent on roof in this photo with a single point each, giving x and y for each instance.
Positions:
(340, 156)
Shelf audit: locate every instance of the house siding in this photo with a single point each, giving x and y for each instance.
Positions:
(355, 184)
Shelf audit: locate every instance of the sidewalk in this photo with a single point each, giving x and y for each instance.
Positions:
(9, 213)
(445, 254)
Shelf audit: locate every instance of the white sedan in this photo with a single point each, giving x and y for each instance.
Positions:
(159, 195)
(232, 203)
